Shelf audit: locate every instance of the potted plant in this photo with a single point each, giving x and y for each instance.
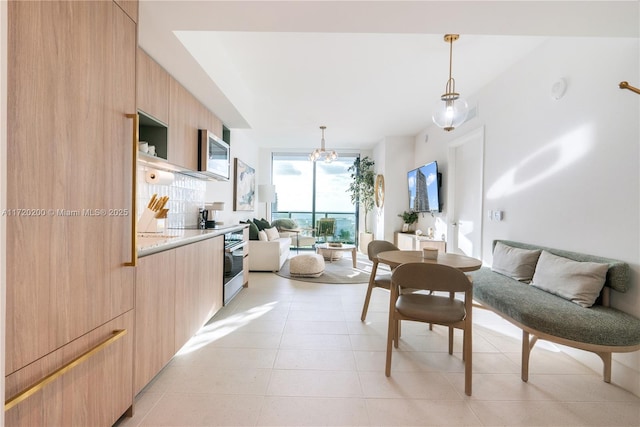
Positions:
(362, 188)
(409, 218)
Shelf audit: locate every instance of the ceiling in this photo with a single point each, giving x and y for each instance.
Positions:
(364, 69)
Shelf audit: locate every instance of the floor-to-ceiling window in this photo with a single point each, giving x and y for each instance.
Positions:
(307, 191)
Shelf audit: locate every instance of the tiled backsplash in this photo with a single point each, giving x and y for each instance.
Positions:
(186, 197)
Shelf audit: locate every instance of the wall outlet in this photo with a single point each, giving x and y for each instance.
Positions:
(497, 215)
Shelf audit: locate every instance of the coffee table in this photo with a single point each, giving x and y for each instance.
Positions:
(328, 251)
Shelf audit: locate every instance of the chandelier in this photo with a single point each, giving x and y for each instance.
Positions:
(321, 153)
(453, 111)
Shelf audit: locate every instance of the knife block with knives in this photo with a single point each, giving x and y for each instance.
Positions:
(154, 215)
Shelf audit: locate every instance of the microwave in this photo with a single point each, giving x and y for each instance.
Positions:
(213, 156)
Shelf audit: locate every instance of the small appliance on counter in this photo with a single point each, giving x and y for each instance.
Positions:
(208, 217)
(203, 219)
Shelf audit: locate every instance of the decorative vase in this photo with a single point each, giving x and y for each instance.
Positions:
(363, 242)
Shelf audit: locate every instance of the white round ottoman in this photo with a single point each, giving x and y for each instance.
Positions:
(306, 265)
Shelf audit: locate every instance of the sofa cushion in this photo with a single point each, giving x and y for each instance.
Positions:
(515, 262)
(272, 233)
(261, 223)
(284, 224)
(550, 314)
(578, 282)
(262, 236)
(253, 230)
(618, 277)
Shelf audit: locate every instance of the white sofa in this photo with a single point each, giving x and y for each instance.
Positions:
(268, 255)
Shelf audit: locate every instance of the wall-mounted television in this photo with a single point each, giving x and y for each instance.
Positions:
(424, 188)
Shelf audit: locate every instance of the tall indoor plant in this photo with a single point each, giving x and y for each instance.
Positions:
(362, 188)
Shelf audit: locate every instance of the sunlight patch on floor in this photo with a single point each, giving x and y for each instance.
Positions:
(223, 327)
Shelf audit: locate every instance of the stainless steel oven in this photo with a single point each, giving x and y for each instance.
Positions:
(233, 278)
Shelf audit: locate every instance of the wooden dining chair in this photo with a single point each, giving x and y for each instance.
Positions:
(432, 308)
(376, 280)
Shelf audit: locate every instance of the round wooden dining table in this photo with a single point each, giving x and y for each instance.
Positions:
(461, 262)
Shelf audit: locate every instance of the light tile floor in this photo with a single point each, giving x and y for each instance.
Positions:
(290, 353)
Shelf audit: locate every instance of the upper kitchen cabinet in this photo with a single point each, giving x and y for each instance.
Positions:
(130, 7)
(184, 117)
(152, 88)
(210, 122)
(152, 97)
(71, 84)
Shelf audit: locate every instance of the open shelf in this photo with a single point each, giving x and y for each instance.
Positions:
(154, 132)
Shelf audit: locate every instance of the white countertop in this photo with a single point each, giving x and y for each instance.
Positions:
(151, 243)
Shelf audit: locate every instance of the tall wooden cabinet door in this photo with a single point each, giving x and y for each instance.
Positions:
(184, 113)
(152, 87)
(155, 316)
(71, 80)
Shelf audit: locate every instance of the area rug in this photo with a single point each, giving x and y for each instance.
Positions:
(340, 271)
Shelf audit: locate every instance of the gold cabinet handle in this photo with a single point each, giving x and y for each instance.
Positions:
(134, 175)
(29, 391)
(625, 85)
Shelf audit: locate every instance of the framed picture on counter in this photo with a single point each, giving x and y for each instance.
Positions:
(244, 186)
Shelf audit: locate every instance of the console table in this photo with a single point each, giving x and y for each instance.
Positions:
(411, 242)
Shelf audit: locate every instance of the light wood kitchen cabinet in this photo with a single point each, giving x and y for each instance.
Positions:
(71, 82)
(411, 242)
(199, 270)
(210, 121)
(155, 316)
(130, 7)
(93, 393)
(152, 87)
(184, 114)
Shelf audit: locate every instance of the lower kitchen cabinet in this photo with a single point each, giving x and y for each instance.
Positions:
(199, 270)
(155, 316)
(177, 291)
(95, 392)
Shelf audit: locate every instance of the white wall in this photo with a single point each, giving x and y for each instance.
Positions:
(243, 148)
(565, 172)
(394, 156)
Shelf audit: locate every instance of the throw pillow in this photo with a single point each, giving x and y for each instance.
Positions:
(261, 223)
(262, 236)
(284, 224)
(253, 230)
(513, 262)
(272, 233)
(578, 282)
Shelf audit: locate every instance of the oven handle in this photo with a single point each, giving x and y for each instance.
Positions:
(235, 247)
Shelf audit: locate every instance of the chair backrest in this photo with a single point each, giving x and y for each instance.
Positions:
(432, 277)
(376, 246)
(326, 226)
